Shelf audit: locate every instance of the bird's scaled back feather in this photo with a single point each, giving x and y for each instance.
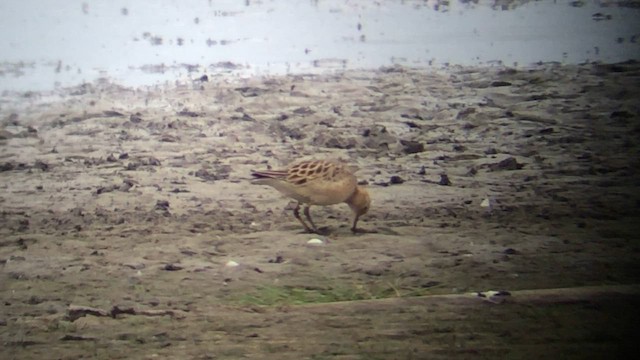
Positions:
(306, 171)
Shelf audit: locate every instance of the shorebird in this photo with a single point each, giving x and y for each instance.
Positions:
(317, 182)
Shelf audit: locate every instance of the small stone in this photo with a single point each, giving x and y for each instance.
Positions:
(153, 161)
(206, 175)
(459, 148)
(247, 117)
(172, 267)
(412, 147)
(231, 263)
(112, 113)
(169, 138)
(462, 114)
(429, 284)
(315, 242)
(395, 179)
(278, 260)
(39, 164)
(510, 251)
(162, 205)
(509, 163)
(34, 300)
(188, 252)
(444, 180)
(7, 166)
(303, 111)
(500, 83)
(126, 185)
(374, 271)
(72, 337)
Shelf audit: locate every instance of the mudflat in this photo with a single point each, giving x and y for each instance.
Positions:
(504, 217)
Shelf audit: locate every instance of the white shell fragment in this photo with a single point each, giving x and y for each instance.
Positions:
(231, 263)
(315, 242)
(485, 203)
(496, 297)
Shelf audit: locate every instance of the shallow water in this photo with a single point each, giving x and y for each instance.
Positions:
(135, 43)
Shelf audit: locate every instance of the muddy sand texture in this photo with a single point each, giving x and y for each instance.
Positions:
(121, 207)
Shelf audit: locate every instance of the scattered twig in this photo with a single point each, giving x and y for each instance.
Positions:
(394, 289)
(72, 337)
(75, 312)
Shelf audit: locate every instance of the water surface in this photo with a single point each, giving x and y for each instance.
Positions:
(60, 43)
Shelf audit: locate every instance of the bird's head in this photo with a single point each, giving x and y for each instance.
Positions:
(359, 202)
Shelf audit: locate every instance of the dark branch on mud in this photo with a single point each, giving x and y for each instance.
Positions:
(75, 312)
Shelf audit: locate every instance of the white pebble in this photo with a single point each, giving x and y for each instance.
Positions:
(315, 242)
(485, 203)
(231, 263)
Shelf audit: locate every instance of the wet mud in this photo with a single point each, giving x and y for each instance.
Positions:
(129, 227)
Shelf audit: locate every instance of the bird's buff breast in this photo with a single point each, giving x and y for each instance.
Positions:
(321, 193)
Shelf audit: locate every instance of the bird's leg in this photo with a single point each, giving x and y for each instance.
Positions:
(308, 215)
(354, 229)
(296, 213)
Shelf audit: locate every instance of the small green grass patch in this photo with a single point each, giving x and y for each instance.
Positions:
(292, 295)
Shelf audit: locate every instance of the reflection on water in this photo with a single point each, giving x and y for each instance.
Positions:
(134, 43)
